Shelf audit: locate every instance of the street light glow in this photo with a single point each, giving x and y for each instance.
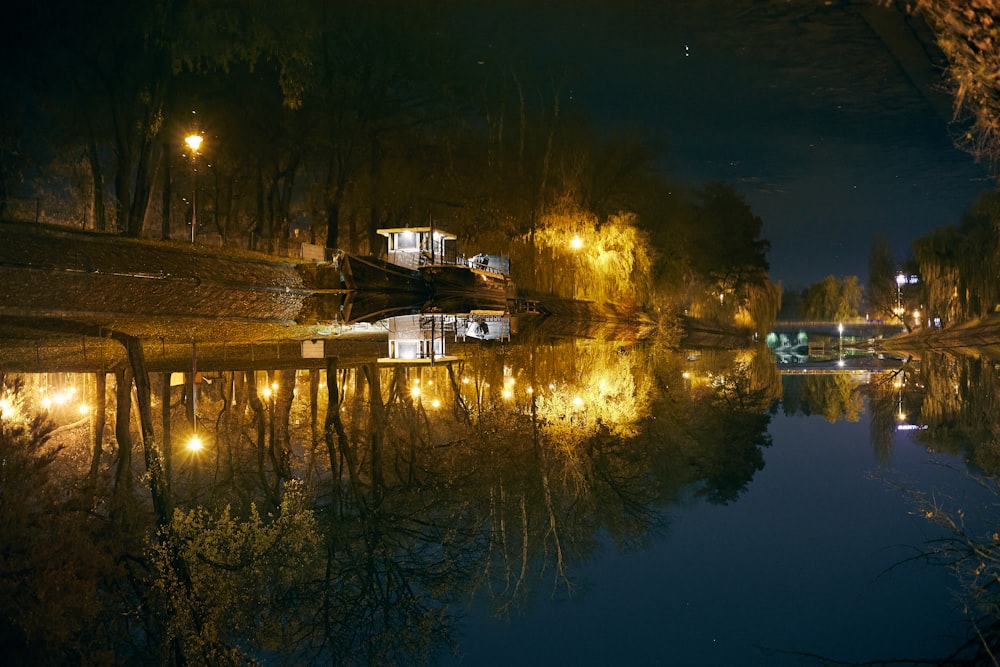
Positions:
(195, 444)
(576, 243)
(193, 141)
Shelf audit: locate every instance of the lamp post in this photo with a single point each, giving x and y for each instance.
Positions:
(193, 142)
(900, 279)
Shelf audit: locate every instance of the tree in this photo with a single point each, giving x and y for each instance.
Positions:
(832, 299)
(966, 32)
(881, 292)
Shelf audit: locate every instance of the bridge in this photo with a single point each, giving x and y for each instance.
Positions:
(852, 328)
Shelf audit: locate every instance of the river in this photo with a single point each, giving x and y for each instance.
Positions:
(516, 498)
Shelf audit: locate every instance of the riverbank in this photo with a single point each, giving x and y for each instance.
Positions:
(979, 338)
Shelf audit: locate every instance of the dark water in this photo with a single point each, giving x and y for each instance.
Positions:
(800, 566)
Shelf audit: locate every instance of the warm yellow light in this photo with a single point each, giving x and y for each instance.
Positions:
(60, 398)
(415, 392)
(266, 393)
(530, 390)
(46, 403)
(465, 380)
(576, 243)
(507, 393)
(274, 386)
(193, 141)
(686, 375)
(435, 403)
(577, 401)
(195, 444)
(83, 408)
(5, 406)
(916, 316)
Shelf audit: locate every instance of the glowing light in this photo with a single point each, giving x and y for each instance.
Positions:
(576, 243)
(5, 406)
(435, 403)
(46, 403)
(415, 392)
(507, 393)
(530, 390)
(465, 380)
(577, 401)
(266, 393)
(195, 444)
(84, 408)
(686, 375)
(193, 141)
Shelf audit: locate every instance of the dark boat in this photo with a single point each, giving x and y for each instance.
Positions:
(369, 274)
(371, 306)
(457, 284)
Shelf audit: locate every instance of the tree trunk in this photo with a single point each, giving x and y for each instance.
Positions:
(165, 417)
(100, 419)
(137, 362)
(165, 212)
(123, 414)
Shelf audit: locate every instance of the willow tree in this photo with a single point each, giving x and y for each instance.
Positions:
(607, 261)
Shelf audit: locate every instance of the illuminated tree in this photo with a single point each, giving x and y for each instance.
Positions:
(832, 299)
(966, 32)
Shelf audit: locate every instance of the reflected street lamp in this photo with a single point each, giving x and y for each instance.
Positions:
(193, 142)
(840, 332)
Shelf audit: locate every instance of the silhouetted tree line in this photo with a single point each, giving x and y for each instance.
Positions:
(957, 268)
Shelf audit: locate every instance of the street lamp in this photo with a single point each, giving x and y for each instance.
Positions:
(193, 142)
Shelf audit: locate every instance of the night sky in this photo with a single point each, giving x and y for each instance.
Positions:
(827, 117)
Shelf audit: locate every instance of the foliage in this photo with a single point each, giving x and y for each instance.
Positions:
(966, 33)
(958, 265)
(971, 550)
(881, 289)
(832, 299)
(608, 261)
(233, 588)
(57, 569)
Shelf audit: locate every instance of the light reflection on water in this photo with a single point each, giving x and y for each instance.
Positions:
(609, 503)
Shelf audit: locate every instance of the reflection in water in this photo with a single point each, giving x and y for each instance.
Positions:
(338, 512)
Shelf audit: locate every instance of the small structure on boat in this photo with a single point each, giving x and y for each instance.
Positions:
(417, 339)
(414, 247)
(421, 247)
(464, 283)
(421, 338)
